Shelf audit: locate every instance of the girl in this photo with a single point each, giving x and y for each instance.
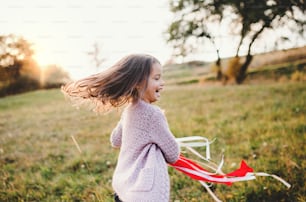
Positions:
(142, 134)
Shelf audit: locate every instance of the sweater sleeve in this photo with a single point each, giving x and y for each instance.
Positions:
(163, 137)
(116, 135)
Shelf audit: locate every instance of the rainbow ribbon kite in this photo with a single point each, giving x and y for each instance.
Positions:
(197, 172)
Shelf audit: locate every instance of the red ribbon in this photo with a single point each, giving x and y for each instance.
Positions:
(195, 171)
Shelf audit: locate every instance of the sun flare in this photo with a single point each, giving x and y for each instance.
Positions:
(43, 57)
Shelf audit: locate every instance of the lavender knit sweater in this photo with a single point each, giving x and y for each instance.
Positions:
(146, 145)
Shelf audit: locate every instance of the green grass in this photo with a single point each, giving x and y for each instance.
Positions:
(262, 124)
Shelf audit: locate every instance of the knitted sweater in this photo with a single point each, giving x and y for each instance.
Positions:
(146, 146)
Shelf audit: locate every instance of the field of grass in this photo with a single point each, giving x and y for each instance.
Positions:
(189, 73)
(262, 124)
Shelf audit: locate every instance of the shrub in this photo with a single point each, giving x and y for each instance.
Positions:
(20, 85)
(298, 76)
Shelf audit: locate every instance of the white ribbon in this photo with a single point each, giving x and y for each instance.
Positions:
(197, 141)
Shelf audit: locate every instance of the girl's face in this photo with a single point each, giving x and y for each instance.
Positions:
(155, 84)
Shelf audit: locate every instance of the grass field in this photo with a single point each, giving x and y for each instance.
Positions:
(262, 124)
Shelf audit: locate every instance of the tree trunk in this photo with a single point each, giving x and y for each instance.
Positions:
(219, 70)
(243, 69)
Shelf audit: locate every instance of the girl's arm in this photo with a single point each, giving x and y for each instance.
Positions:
(116, 135)
(163, 137)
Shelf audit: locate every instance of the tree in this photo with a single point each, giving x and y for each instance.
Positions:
(18, 70)
(13, 50)
(248, 19)
(54, 76)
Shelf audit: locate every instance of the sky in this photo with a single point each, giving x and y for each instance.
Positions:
(63, 32)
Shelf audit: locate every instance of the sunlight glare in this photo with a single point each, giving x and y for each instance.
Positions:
(43, 57)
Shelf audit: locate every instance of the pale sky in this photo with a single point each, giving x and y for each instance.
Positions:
(63, 31)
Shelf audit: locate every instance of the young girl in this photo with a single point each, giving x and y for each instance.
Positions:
(142, 134)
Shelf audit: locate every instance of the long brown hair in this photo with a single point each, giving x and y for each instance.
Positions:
(113, 87)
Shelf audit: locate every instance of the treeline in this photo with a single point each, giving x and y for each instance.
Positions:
(19, 72)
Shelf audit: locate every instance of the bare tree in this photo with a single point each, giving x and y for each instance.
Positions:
(95, 55)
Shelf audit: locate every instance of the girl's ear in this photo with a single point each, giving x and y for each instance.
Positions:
(138, 89)
(139, 86)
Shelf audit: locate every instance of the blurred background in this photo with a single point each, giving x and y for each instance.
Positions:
(72, 39)
(235, 71)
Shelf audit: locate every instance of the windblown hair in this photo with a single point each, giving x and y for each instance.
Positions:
(112, 88)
